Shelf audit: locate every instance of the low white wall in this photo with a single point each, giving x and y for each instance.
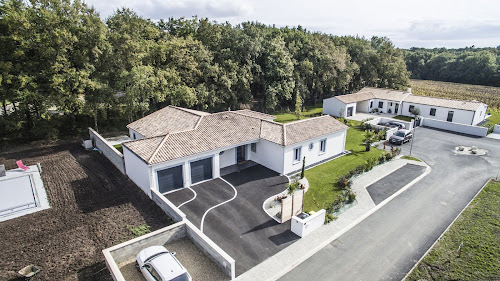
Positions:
(497, 129)
(454, 127)
(303, 227)
(128, 250)
(115, 156)
(168, 207)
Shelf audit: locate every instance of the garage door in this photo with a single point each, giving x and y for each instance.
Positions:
(170, 179)
(201, 170)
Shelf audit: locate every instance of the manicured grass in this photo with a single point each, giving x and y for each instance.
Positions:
(404, 118)
(494, 118)
(323, 179)
(478, 228)
(410, 158)
(118, 147)
(309, 111)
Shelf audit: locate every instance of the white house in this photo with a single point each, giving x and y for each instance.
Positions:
(177, 147)
(401, 102)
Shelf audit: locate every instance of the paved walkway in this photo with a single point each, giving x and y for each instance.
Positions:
(277, 265)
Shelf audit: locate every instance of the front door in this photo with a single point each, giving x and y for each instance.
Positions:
(396, 108)
(240, 153)
(349, 111)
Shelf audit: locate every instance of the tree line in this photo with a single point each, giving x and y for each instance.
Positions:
(479, 66)
(63, 69)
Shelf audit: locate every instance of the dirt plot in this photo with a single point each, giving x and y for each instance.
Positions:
(92, 204)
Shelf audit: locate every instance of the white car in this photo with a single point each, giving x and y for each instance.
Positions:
(158, 264)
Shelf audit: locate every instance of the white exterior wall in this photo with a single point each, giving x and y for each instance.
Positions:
(459, 116)
(137, 170)
(335, 144)
(269, 154)
(137, 135)
(363, 106)
(480, 114)
(455, 127)
(228, 158)
(335, 107)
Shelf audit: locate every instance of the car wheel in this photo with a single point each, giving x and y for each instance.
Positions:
(137, 266)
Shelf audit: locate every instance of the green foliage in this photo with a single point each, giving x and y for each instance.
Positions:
(369, 138)
(477, 231)
(480, 66)
(139, 230)
(410, 158)
(292, 187)
(404, 118)
(329, 218)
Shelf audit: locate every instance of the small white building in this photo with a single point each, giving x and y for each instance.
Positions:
(176, 147)
(401, 102)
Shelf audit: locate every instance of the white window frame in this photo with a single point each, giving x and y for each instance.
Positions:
(322, 151)
(295, 159)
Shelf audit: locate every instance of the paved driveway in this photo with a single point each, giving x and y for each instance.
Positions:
(386, 245)
(240, 227)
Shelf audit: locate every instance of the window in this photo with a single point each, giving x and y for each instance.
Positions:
(410, 108)
(133, 136)
(380, 104)
(433, 112)
(450, 116)
(322, 146)
(371, 104)
(253, 147)
(153, 272)
(296, 154)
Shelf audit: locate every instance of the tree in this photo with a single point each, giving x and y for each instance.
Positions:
(369, 138)
(303, 171)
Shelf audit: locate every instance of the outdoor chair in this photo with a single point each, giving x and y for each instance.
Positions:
(21, 165)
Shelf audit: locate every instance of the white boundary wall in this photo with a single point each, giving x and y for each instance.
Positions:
(454, 127)
(170, 209)
(496, 129)
(115, 156)
(128, 250)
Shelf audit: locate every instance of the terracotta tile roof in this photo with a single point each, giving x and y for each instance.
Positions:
(456, 104)
(256, 114)
(368, 93)
(167, 120)
(303, 130)
(229, 128)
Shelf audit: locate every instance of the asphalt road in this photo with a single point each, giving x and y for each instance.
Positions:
(387, 244)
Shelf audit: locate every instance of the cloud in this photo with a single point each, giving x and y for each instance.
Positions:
(163, 9)
(428, 30)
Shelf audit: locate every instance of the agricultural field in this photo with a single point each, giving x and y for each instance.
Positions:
(486, 94)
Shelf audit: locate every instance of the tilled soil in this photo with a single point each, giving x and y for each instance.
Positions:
(91, 205)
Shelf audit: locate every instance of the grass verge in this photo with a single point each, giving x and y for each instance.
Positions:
(410, 158)
(404, 118)
(323, 179)
(478, 231)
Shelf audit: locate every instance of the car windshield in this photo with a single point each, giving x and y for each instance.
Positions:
(400, 134)
(182, 277)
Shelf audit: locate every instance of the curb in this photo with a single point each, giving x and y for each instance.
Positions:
(446, 230)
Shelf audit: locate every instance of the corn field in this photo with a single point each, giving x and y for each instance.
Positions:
(486, 94)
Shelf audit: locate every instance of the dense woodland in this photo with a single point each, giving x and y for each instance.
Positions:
(62, 68)
(479, 66)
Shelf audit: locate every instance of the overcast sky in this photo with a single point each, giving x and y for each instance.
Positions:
(422, 23)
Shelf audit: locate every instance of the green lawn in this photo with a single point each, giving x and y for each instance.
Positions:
(495, 118)
(404, 118)
(309, 111)
(323, 179)
(118, 147)
(478, 228)
(410, 158)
